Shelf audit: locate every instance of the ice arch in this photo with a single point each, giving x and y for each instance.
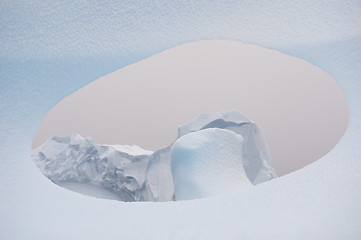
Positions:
(325, 196)
(300, 107)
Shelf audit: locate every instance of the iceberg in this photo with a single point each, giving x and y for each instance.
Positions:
(256, 160)
(208, 163)
(135, 174)
(74, 159)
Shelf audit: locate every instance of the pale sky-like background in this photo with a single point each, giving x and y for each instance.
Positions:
(300, 108)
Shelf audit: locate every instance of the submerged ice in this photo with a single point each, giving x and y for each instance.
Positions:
(134, 174)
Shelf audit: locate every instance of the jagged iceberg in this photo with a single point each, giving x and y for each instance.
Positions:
(134, 174)
(125, 170)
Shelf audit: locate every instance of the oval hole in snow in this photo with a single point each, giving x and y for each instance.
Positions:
(301, 109)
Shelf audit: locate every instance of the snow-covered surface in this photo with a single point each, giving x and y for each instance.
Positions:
(133, 150)
(135, 174)
(208, 163)
(91, 190)
(320, 201)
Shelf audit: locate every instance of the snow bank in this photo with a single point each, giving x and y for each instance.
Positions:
(208, 163)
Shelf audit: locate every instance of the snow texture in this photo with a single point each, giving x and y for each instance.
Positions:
(134, 174)
(51, 49)
(208, 163)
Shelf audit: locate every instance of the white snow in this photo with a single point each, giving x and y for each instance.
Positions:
(320, 201)
(90, 190)
(133, 150)
(208, 163)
